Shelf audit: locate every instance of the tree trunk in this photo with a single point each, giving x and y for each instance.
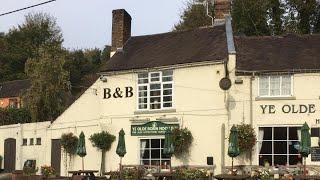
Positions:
(103, 159)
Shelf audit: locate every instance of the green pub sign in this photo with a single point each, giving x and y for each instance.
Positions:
(152, 128)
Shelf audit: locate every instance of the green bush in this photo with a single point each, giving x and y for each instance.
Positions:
(132, 173)
(190, 174)
(14, 116)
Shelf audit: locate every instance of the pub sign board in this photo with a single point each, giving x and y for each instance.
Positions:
(315, 153)
(152, 128)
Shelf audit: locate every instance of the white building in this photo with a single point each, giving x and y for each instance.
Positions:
(172, 79)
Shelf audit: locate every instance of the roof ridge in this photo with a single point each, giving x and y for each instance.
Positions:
(175, 32)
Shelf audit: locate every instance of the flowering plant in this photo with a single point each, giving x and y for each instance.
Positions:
(191, 174)
(246, 137)
(47, 171)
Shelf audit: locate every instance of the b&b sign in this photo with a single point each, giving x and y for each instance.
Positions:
(152, 128)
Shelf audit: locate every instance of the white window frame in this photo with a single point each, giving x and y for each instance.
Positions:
(272, 140)
(269, 76)
(160, 159)
(161, 90)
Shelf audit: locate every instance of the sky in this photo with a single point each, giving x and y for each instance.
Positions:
(87, 23)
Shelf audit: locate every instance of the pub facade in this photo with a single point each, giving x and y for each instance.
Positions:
(204, 79)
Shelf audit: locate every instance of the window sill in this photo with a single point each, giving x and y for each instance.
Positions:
(154, 111)
(259, 98)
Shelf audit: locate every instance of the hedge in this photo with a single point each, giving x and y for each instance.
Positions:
(14, 116)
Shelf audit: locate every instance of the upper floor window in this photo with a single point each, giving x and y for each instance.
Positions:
(274, 86)
(155, 90)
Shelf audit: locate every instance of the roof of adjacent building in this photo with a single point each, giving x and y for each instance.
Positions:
(190, 46)
(278, 54)
(13, 88)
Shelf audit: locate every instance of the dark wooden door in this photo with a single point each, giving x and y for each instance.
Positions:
(9, 155)
(56, 155)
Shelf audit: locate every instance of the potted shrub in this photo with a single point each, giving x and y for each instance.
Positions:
(103, 142)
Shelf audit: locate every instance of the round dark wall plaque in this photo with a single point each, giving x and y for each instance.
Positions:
(225, 83)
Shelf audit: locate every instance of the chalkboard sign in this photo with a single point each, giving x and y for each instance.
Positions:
(315, 153)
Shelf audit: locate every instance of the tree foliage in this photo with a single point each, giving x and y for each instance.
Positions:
(261, 17)
(49, 92)
(195, 15)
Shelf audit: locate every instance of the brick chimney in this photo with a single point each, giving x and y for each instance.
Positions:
(221, 9)
(121, 29)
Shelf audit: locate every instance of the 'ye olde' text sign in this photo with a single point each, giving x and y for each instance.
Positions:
(152, 128)
(289, 108)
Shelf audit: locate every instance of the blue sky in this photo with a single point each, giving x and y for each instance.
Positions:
(87, 23)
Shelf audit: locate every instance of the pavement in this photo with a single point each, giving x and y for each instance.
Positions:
(5, 176)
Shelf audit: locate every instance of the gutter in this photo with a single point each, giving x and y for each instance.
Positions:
(174, 66)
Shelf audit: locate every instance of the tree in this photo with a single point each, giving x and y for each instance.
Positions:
(195, 15)
(249, 17)
(105, 54)
(49, 92)
(23, 42)
(103, 142)
(306, 11)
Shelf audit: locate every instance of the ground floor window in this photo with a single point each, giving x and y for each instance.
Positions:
(279, 145)
(151, 153)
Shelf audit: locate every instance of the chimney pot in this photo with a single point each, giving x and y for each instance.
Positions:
(121, 28)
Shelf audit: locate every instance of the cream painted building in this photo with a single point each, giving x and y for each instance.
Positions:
(172, 79)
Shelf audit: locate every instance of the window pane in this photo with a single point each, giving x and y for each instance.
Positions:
(167, 73)
(155, 106)
(265, 158)
(264, 85)
(155, 77)
(145, 162)
(280, 147)
(155, 86)
(166, 79)
(294, 147)
(143, 94)
(142, 81)
(142, 75)
(155, 153)
(145, 154)
(167, 92)
(167, 86)
(144, 143)
(267, 133)
(280, 160)
(295, 159)
(167, 98)
(166, 156)
(155, 93)
(155, 100)
(280, 133)
(143, 100)
(143, 88)
(286, 86)
(167, 105)
(293, 133)
(155, 143)
(155, 162)
(266, 147)
(274, 85)
(143, 106)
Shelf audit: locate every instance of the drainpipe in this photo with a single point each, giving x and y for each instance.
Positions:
(251, 108)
